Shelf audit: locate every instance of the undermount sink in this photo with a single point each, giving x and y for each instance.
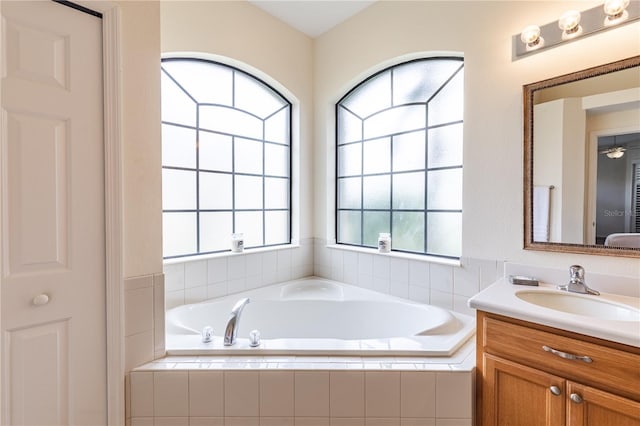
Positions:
(585, 305)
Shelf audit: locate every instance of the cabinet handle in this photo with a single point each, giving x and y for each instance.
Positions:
(576, 398)
(555, 390)
(567, 355)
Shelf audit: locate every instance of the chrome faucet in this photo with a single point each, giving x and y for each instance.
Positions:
(577, 283)
(234, 322)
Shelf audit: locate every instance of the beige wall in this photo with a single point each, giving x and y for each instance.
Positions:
(240, 34)
(142, 208)
(387, 30)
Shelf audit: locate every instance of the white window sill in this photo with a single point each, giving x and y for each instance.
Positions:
(256, 250)
(397, 255)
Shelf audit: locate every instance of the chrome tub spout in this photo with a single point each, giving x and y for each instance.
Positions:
(233, 323)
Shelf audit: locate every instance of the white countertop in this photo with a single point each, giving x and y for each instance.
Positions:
(500, 298)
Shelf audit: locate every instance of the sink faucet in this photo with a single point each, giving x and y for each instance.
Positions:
(576, 282)
(234, 322)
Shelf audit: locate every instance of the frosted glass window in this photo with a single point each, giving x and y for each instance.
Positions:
(444, 189)
(399, 158)
(214, 231)
(448, 105)
(230, 121)
(350, 126)
(276, 160)
(248, 156)
(178, 146)
(276, 127)
(409, 151)
(248, 192)
(350, 159)
(277, 231)
(255, 97)
(178, 233)
(349, 193)
(250, 224)
(179, 191)
(373, 224)
(349, 227)
(397, 120)
(205, 81)
(376, 192)
(408, 191)
(226, 158)
(408, 231)
(445, 146)
(445, 231)
(215, 191)
(177, 106)
(215, 151)
(376, 156)
(276, 193)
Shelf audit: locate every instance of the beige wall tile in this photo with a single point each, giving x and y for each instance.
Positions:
(454, 395)
(171, 421)
(382, 394)
(171, 393)
(346, 394)
(138, 349)
(276, 421)
(241, 421)
(141, 394)
(347, 421)
(418, 394)
(206, 421)
(311, 393)
(138, 307)
(276, 394)
(312, 421)
(406, 421)
(241, 394)
(142, 421)
(206, 394)
(158, 316)
(382, 421)
(454, 422)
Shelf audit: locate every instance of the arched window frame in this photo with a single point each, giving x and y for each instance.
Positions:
(351, 216)
(268, 224)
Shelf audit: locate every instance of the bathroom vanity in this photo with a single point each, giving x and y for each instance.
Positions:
(537, 364)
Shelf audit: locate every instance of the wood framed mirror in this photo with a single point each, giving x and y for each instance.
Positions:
(582, 161)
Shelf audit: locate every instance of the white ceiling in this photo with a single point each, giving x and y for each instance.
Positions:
(312, 17)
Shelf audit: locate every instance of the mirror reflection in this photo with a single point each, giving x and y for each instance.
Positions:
(585, 157)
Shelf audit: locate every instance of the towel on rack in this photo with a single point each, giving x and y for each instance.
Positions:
(541, 206)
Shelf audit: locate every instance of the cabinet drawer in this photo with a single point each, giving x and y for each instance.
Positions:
(610, 369)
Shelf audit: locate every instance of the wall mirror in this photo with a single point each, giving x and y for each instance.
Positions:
(582, 161)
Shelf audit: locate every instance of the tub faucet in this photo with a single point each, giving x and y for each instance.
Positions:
(577, 283)
(234, 322)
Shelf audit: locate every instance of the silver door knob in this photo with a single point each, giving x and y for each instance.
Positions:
(576, 398)
(41, 299)
(555, 390)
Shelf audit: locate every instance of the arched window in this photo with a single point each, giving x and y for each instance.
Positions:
(226, 159)
(399, 158)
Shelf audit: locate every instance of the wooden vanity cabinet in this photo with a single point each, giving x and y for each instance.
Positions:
(526, 376)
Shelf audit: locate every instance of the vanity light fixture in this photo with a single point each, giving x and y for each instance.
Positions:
(530, 36)
(569, 23)
(574, 25)
(616, 11)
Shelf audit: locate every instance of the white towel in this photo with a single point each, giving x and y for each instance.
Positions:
(631, 240)
(541, 205)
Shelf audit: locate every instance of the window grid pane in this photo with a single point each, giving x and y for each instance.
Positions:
(230, 148)
(400, 171)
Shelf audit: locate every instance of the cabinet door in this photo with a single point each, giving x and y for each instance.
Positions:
(514, 394)
(592, 407)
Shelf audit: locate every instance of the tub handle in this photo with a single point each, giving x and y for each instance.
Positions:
(207, 334)
(254, 338)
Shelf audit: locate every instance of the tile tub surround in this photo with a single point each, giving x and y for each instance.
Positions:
(209, 390)
(192, 281)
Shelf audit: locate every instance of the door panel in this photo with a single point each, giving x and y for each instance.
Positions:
(53, 230)
(599, 408)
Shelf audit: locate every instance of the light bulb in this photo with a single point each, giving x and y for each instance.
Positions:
(616, 153)
(569, 23)
(531, 37)
(615, 11)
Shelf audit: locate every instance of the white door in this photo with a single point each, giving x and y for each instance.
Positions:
(53, 231)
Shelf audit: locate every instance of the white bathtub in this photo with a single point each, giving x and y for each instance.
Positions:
(314, 316)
